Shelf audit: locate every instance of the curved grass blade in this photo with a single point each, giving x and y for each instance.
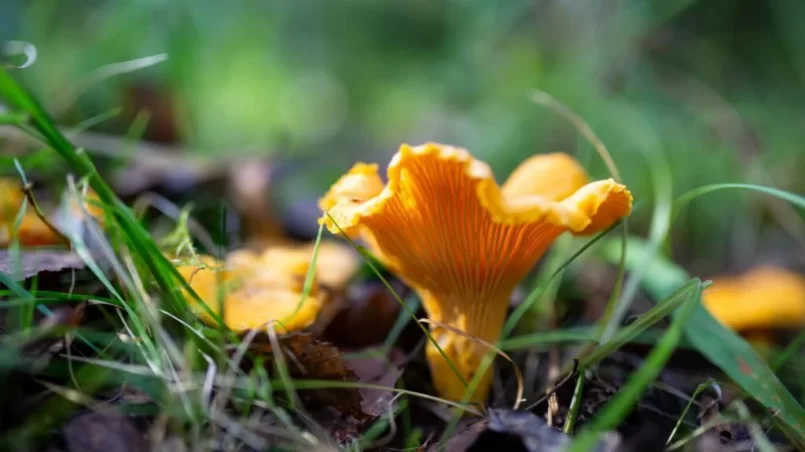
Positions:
(686, 198)
(644, 322)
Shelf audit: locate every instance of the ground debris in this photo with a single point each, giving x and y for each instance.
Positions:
(311, 359)
(510, 430)
(30, 262)
(464, 438)
(595, 394)
(375, 402)
(377, 371)
(725, 433)
(103, 431)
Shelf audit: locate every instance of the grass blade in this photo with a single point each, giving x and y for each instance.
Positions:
(644, 322)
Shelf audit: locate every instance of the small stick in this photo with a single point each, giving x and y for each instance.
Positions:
(27, 189)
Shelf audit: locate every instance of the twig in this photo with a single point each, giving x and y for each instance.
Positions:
(27, 189)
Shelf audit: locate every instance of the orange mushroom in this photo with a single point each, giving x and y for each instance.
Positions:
(31, 231)
(764, 299)
(336, 263)
(462, 242)
(260, 287)
(251, 296)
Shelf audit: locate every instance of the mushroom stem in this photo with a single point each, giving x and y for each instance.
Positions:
(481, 320)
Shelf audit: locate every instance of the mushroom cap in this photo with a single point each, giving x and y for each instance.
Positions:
(260, 287)
(444, 226)
(11, 197)
(252, 295)
(560, 176)
(336, 263)
(766, 297)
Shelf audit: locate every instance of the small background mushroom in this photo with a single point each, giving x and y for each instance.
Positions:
(758, 303)
(257, 288)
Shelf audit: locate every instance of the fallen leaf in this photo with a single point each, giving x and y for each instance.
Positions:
(377, 371)
(510, 430)
(31, 262)
(464, 438)
(103, 432)
(311, 359)
(520, 427)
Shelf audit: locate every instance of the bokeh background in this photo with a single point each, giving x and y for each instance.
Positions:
(683, 93)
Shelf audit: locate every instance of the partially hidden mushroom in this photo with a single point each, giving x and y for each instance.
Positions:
(758, 303)
(462, 242)
(31, 230)
(250, 290)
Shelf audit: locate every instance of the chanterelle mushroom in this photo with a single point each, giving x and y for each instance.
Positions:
(462, 242)
(765, 298)
(251, 297)
(261, 287)
(31, 230)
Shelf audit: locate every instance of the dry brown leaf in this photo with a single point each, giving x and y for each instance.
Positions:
(32, 262)
(506, 429)
(310, 359)
(464, 438)
(379, 371)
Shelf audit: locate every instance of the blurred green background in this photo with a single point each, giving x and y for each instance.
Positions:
(684, 92)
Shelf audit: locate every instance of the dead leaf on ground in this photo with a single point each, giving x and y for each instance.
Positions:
(379, 371)
(506, 429)
(103, 432)
(31, 262)
(464, 438)
(519, 430)
(311, 359)
(344, 412)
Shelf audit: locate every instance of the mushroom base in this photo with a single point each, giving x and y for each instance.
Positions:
(445, 380)
(466, 354)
